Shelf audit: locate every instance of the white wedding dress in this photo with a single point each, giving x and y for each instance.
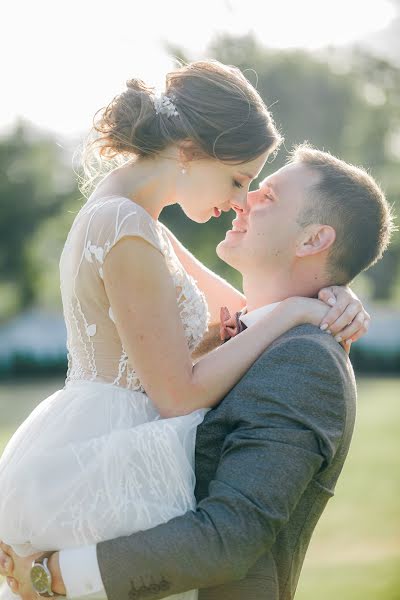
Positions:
(95, 461)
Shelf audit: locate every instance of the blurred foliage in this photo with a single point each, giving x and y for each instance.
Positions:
(346, 103)
(35, 183)
(355, 551)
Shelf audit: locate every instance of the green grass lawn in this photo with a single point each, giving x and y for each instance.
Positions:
(355, 552)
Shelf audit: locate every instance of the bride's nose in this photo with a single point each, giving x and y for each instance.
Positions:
(239, 205)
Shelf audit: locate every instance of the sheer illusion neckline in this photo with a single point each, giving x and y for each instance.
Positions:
(122, 197)
(95, 348)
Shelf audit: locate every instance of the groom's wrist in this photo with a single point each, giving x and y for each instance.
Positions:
(57, 584)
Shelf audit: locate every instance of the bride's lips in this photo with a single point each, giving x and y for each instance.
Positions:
(217, 212)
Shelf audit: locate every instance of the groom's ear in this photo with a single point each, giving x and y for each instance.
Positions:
(316, 239)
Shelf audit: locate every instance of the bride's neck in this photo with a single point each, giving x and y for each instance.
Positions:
(149, 182)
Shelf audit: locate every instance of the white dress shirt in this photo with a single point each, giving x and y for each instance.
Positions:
(79, 566)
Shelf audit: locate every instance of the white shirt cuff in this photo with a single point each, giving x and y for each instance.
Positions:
(80, 572)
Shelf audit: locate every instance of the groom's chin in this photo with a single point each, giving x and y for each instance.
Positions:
(221, 250)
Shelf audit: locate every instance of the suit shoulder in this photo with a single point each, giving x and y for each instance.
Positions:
(309, 342)
(304, 379)
(307, 357)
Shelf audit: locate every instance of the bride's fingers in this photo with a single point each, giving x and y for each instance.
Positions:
(327, 295)
(334, 321)
(347, 346)
(356, 329)
(345, 318)
(362, 331)
(352, 329)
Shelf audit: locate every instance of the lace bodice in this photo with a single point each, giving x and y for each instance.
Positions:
(95, 350)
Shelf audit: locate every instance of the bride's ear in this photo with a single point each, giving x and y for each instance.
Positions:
(316, 239)
(188, 150)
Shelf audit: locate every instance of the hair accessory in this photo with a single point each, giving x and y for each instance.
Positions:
(164, 105)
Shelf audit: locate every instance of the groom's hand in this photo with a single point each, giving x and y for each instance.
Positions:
(17, 571)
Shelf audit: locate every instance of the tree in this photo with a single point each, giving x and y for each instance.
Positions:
(35, 183)
(352, 112)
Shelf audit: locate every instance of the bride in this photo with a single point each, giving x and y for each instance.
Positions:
(112, 452)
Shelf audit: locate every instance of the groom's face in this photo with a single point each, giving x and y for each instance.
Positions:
(268, 232)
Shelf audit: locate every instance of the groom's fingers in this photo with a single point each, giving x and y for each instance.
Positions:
(5, 548)
(6, 564)
(4, 567)
(13, 584)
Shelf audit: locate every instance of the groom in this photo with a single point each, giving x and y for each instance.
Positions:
(269, 456)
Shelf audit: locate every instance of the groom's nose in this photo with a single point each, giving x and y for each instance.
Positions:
(251, 198)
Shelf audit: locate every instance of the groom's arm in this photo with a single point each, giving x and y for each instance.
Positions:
(287, 418)
(290, 422)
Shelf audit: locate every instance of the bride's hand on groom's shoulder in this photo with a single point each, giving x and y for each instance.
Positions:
(305, 310)
(337, 311)
(16, 570)
(347, 318)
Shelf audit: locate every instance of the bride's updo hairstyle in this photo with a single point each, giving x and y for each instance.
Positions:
(214, 106)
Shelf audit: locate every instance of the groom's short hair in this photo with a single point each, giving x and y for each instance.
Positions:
(348, 199)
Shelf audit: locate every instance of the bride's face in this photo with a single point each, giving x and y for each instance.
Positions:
(209, 187)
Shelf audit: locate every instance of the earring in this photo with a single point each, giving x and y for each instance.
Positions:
(183, 171)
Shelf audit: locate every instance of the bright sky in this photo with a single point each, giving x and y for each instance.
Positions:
(64, 59)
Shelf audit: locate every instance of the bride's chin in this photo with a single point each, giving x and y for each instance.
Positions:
(204, 218)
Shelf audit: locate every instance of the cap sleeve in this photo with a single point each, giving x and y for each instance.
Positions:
(112, 219)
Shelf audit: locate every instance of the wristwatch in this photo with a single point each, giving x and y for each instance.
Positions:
(41, 577)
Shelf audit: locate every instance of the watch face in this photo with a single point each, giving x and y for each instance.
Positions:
(40, 579)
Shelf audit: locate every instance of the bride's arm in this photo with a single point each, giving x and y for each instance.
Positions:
(217, 291)
(143, 300)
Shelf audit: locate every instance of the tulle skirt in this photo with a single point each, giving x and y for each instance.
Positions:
(94, 462)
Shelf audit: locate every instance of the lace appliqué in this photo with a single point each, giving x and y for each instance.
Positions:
(193, 312)
(87, 330)
(96, 253)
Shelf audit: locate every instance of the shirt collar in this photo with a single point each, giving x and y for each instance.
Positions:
(252, 317)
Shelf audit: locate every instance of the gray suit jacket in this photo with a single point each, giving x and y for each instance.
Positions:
(267, 461)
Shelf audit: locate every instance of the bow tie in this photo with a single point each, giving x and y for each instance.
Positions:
(230, 326)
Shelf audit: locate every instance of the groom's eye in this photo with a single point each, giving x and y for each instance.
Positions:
(267, 196)
(237, 184)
